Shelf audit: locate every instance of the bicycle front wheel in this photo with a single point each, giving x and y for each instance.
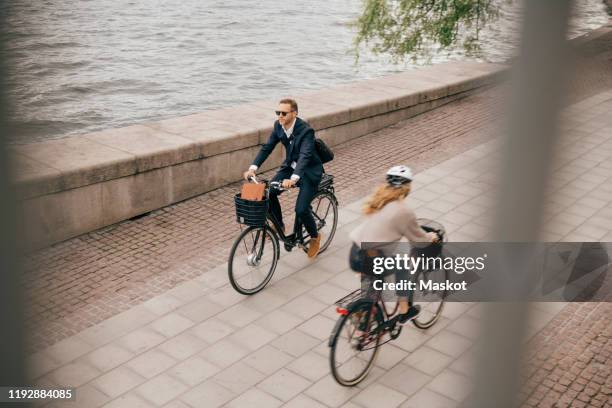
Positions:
(253, 259)
(431, 301)
(354, 343)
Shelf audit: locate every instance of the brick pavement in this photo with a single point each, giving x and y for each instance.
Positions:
(577, 371)
(202, 344)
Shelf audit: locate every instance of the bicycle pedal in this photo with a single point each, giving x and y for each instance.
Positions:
(288, 247)
(395, 332)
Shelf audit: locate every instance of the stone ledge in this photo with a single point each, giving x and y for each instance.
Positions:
(63, 164)
(72, 186)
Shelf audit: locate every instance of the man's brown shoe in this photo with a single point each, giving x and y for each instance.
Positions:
(315, 244)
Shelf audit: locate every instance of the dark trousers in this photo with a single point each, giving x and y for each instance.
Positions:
(303, 214)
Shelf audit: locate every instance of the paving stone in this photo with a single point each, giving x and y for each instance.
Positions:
(74, 374)
(304, 306)
(466, 326)
(380, 396)
(451, 385)
(429, 399)
(428, 360)
(404, 379)
(310, 365)
(254, 398)
(108, 357)
(453, 310)
(187, 291)
(171, 324)
(302, 401)
(252, 337)
(225, 297)
(278, 321)
(449, 343)
(313, 276)
(128, 401)
(215, 278)
(327, 293)
(267, 359)
(238, 315)
(328, 392)
(351, 405)
(193, 370)
(318, 326)
(117, 382)
(117, 326)
(199, 310)
(182, 346)
(160, 305)
(68, 350)
(141, 340)
(208, 394)
(465, 365)
(40, 363)
(212, 330)
(284, 384)
(295, 343)
(161, 389)
(389, 356)
(267, 300)
(596, 232)
(176, 404)
(411, 339)
(224, 353)
(239, 377)
(151, 363)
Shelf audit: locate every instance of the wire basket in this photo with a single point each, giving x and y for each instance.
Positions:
(251, 213)
(348, 299)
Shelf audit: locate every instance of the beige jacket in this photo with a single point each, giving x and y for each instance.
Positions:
(392, 223)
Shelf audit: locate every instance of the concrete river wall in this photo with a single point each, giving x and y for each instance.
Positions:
(75, 185)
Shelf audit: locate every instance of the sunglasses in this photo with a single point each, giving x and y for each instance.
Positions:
(281, 113)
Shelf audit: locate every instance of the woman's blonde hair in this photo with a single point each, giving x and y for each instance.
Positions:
(383, 195)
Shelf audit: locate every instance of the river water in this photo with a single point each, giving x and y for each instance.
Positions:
(81, 66)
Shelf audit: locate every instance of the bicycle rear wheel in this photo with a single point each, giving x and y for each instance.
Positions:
(354, 343)
(430, 300)
(253, 259)
(325, 211)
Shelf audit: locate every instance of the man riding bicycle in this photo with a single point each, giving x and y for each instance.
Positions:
(302, 167)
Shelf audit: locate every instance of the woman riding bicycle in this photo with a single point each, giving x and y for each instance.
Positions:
(389, 220)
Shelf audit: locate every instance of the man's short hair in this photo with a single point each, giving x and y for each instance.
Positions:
(291, 102)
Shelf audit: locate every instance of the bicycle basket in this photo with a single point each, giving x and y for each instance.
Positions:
(432, 250)
(251, 213)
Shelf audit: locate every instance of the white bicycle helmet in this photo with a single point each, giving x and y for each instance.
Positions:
(399, 175)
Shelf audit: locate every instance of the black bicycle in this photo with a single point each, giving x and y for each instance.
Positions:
(365, 320)
(254, 255)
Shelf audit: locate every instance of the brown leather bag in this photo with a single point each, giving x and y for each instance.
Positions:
(252, 191)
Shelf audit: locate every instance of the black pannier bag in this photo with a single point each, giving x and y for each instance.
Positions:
(324, 152)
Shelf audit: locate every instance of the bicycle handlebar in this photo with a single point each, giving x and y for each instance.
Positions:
(276, 185)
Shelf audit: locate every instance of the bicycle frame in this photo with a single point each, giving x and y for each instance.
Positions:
(297, 238)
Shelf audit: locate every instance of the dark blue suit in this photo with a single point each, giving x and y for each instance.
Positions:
(300, 150)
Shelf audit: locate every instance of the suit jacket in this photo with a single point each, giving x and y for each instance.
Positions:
(302, 151)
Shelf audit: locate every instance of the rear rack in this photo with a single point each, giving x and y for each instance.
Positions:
(348, 299)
